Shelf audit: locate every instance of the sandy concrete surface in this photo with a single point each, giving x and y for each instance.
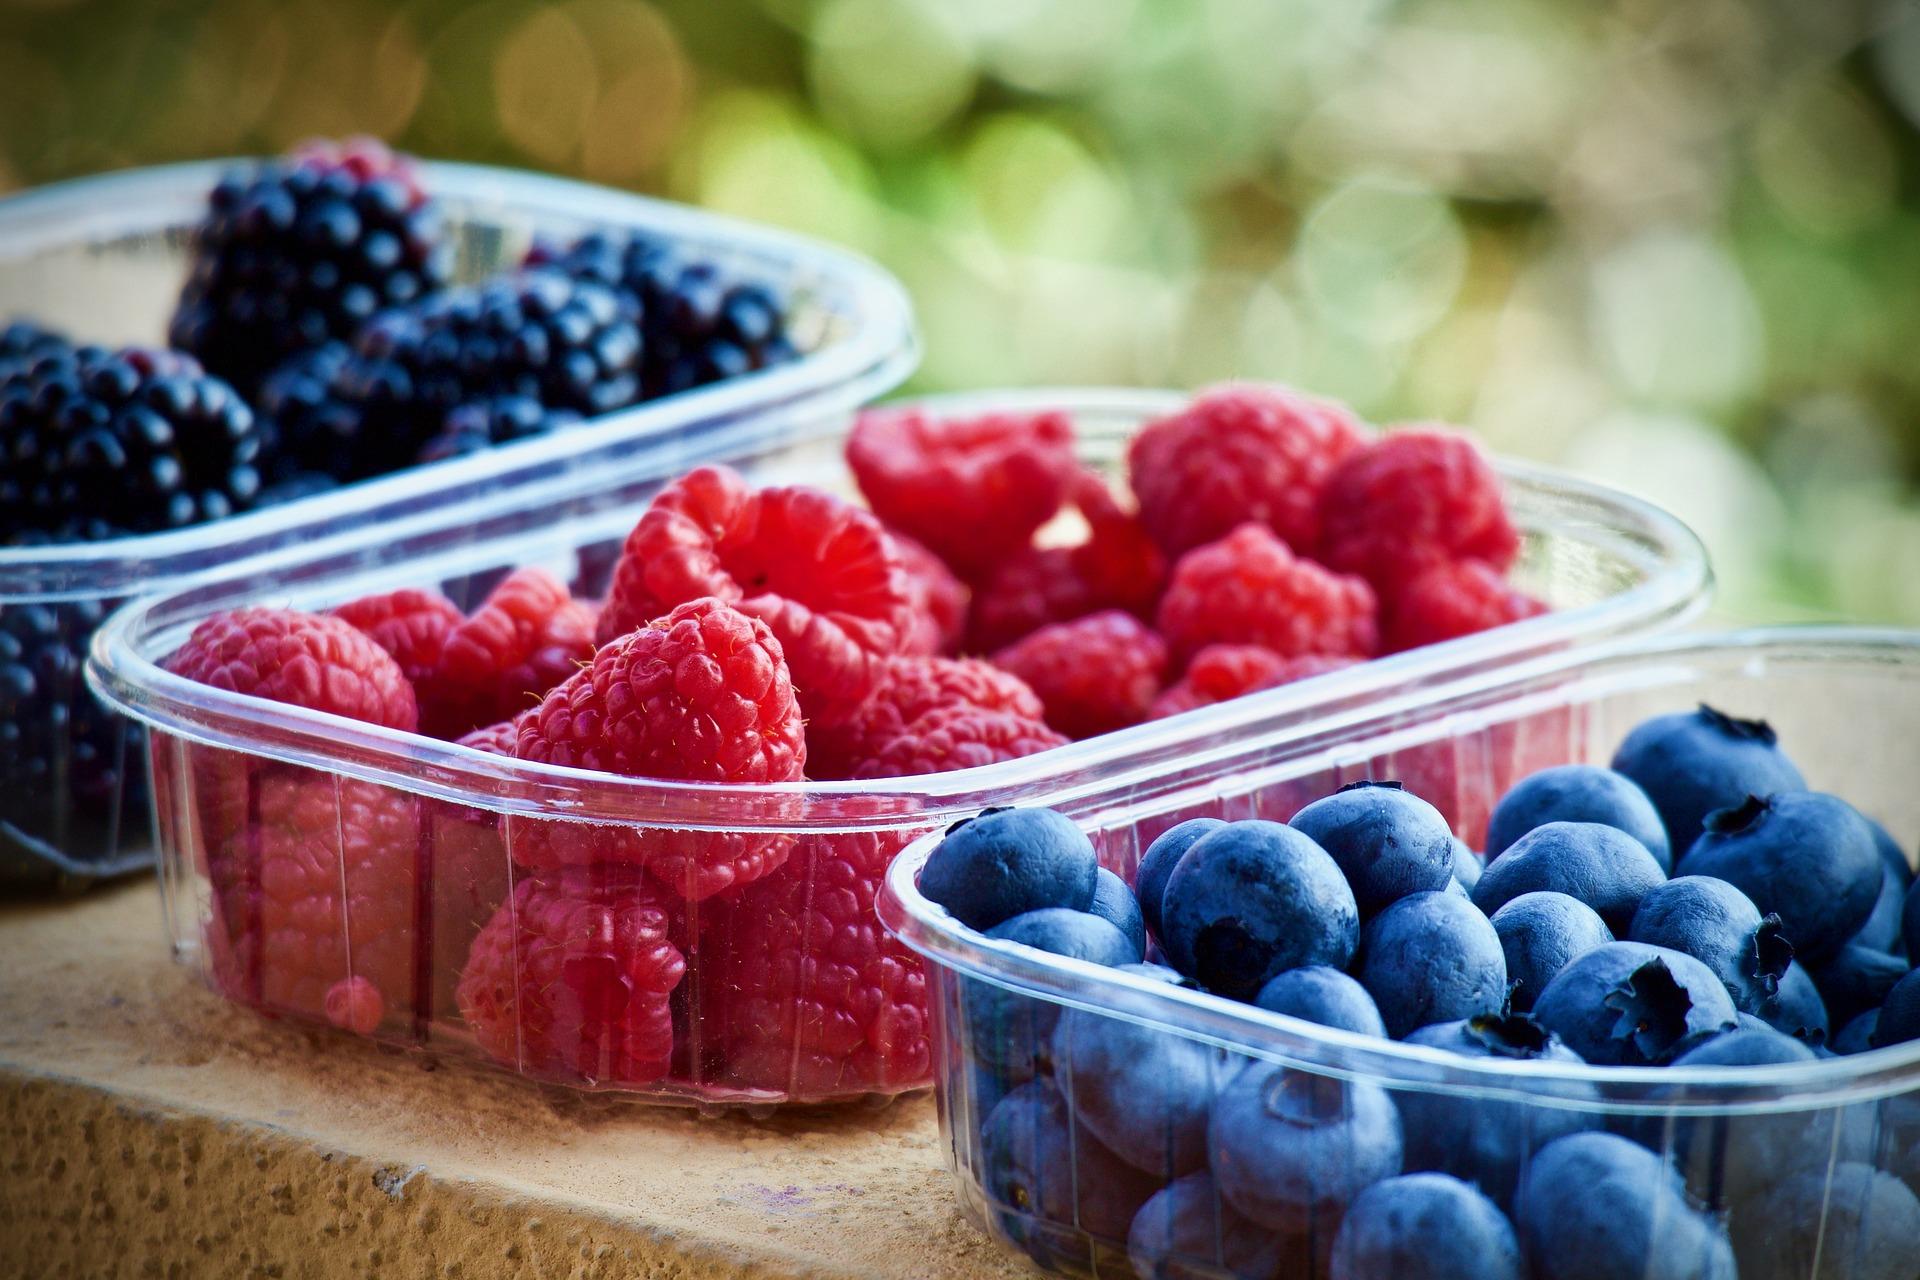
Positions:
(148, 1129)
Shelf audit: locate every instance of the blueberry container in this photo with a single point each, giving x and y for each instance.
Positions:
(791, 991)
(103, 259)
(1802, 1170)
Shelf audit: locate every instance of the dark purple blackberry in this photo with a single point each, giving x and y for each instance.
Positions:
(22, 342)
(305, 249)
(497, 420)
(304, 427)
(698, 326)
(137, 441)
(68, 768)
(569, 345)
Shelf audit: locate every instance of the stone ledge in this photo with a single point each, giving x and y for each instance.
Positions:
(152, 1130)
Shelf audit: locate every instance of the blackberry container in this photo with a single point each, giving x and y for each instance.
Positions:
(792, 993)
(103, 258)
(1800, 1164)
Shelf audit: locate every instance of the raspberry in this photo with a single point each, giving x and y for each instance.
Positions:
(1248, 588)
(411, 625)
(817, 1001)
(1222, 671)
(1094, 674)
(494, 739)
(701, 695)
(1239, 452)
(1414, 497)
(528, 637)
(958, 737)
(317, 891)
(310, 661)
(821, 574)
(911, 688)
(571, 979)
(1119, 561)
(972, 489)
(939, 598)
(1453, 599)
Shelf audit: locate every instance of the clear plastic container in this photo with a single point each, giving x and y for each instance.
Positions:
(103, 259)
(790, 993)
(1790, 1158)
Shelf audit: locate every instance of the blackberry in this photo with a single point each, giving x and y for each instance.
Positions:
(303, 249)
(63, 758)
(305, 427)
(144, 435)
(22, 342)
(496, 420)
(569, 345)
(698, 325)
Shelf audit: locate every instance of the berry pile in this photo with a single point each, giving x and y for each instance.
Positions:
(1694, 905)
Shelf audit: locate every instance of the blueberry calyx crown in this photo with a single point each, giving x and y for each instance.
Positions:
(1734, 819)
(987, 812)
(1305, 1100)
(1733, 726)
(1509, 1035)
(1369, 782)
(1772, 954)
(1653, 1009)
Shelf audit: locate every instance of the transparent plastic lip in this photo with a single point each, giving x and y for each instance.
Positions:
(124, 670)
(873, 349)
(931, 931)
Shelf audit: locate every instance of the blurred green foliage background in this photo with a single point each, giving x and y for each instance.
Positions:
(1676, 246)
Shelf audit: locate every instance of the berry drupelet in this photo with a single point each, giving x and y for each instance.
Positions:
(699, 325)
(306, 249)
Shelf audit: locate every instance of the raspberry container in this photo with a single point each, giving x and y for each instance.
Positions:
(791, 991)
(103, 259)
(1800, 1163)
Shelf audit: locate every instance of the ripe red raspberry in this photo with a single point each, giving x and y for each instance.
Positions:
(411, 625)
(822, 575)
(1452, 599)
(1413, 498)
(958, 737)
(1119, 561)
(1030, 590)
(571, 980)
(911, 688)
(1094, 674)
(1248, 588)
(318, 890)
(1239, 452)
(494, 739)
(467, 871)
(311, 661)
(528, 637)
(939, 598)
(972, 490)
(702, 695)
(1222, 671)
(814, 999)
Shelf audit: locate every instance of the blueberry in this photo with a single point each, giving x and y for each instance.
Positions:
(1629, 1004)
(1252, 899)
(1010, 1030)
(1324, 996)
(1114, 903)
(1719, 926)
(1595, 1206)
(1540, 932)
(1429, 958)
(1892, 854)
(1806, 857)
(1007, 862)
(1723, 1157)
(1143, 1092)
(1900, 1013)
(1051, 1185)
(1695, 762)
(1290, 1150)
(1910, 921)
(1854, 1223)
(1157, 864)
(1856, 980)
(1484, 1140)
(1424, 1226)
(1389, 842)
(1467, 866)
(1882, 930)
(1857, 1035)
(1603, 867)
(1185, 1233)
(1798, 1010)
(1578, 793)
